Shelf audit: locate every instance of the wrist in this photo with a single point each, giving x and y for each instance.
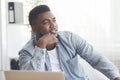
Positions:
(41, 44)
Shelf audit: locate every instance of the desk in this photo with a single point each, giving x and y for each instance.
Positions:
(2, 75)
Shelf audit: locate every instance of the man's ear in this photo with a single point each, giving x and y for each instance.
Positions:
(33, 28)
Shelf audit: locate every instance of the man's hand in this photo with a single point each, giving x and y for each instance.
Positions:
(118, 78)
(47, 40)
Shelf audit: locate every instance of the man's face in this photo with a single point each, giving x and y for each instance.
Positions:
(45, 24)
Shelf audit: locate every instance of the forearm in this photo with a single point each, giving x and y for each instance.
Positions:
(107, 68)
(101, 63)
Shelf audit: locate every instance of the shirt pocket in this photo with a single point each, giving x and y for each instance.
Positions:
(75, 67)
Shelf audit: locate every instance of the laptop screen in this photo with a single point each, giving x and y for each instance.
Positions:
(33, 75)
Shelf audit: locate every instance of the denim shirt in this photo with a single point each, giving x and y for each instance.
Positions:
(69, 46)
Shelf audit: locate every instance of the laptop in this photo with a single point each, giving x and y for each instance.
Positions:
(33, 75)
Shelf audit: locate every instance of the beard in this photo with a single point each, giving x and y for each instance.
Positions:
(38, 35)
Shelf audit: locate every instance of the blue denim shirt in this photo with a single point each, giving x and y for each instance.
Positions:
(70, 45)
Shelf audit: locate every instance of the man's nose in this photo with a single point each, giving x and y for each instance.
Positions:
(53, 24)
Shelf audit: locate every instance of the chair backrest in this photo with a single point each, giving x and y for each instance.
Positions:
(14, 64)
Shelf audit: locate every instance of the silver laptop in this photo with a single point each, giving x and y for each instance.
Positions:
(33, 75)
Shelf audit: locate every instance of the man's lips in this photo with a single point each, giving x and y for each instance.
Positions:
(53, 31)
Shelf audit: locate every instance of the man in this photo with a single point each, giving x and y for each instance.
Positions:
(50, 50)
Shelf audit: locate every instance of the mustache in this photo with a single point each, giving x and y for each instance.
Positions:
(53, 31)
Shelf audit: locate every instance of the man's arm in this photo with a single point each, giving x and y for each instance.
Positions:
(33, 60)
(94, 58)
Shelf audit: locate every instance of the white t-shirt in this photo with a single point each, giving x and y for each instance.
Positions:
(54, 60)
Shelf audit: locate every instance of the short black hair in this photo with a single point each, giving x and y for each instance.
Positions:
(36, 11)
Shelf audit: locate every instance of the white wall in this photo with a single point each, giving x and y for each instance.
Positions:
(3, 44)
(115, 31)
(0, 38)
(17, 36)
(18, 33)
(116, 21)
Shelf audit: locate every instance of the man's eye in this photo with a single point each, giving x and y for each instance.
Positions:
(45, 22)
